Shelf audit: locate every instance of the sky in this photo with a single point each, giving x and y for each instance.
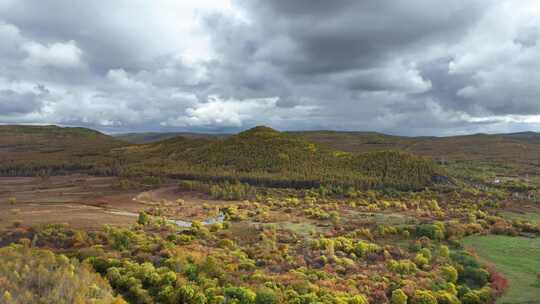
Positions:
(406, 67)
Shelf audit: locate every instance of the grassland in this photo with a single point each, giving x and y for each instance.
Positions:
(516, 258)
(78, 200)
(533, 217)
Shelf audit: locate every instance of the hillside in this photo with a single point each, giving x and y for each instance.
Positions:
(27, 150)
(258, 155)
(521, 151)
(515, 148)
(264, 156)
(142, 237)
(150, 137)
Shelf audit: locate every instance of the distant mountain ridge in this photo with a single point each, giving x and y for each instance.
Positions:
(518, 147)
(48, 129)
(257, 153)
(150, 137)
(521, 147)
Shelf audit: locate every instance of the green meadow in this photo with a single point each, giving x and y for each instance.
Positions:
(517, 258)
(532, 217)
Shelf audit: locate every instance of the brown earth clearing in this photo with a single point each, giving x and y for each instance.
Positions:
(89, 202)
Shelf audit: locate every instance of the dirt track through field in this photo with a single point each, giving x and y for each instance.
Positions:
(79, 200)
(90, 202)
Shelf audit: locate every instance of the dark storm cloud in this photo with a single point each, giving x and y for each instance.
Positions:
(286, 102)
(108, 43)
(445, 87)
(106, 63)
(528, 36)
(329, 36)
(409, 67)
(13, 103)
(351, 60)
(382, 64)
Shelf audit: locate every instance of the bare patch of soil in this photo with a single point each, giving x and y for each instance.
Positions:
(89, 202)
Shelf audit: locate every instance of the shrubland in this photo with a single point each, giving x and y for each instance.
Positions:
(293, 222)
(357, 253)
(29, 275)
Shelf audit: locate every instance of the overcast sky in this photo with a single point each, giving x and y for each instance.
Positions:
(410, 67)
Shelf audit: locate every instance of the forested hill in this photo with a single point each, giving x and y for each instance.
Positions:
(265, 156)
(29, 150)
(514, 148)
(150, 137)
(521, 147)
(260, 156)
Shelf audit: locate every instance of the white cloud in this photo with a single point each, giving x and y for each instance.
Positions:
(222, 113)
(502, 57)
(58, 54)
(122, 79)
(292, 64)
(10, 37)
(395, 77)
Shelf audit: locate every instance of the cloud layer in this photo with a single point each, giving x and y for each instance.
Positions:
(417, 67)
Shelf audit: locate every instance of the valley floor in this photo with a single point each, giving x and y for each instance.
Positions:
(78, 200)
(329, 245)
(89, 202)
